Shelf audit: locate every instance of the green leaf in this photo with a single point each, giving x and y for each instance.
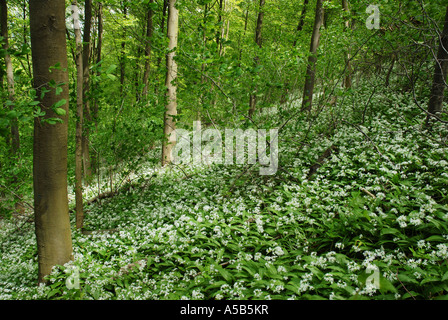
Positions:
(60, 103)
(52, 292)
(111, 68)
(224, 273)
(404, 278)
(60, 112)
(445, 276)
(57, 66)
(12, 114)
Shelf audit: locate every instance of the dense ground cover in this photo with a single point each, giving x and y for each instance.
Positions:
(371, 222)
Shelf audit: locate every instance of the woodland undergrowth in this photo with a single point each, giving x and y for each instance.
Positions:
(368, 220)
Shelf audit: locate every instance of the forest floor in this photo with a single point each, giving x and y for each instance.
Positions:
(356, 212)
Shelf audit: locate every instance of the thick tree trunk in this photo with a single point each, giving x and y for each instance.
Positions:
(311, 67)
(15, 145)
(435, 103)
(52, 221)
(80, 118)
(258, 41)
(171, 75)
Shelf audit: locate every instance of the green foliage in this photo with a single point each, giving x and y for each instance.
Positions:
(379, 201)
(182, 235)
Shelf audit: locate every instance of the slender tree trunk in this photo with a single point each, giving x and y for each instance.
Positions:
(301, 20)
(389, 72)
(87, 163)
(246, 18)
(348, 66)
(149, 32)
(258, 41)
(159, 59)
(171, 75)
(311, 67)
(204, 45)
(435, 103)
(15, 145)
(219, 33)
(25, 35)
(99, 48)
(52, 221)
(123, 55)
(80, 118)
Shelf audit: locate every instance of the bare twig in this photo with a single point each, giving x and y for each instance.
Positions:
(404, 286)
(368, 192)
(365, 135)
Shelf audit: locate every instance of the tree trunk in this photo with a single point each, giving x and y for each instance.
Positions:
(123, 55)
(99, 47)
(258, 41)
(52, 221)
(302, 19)
(246, 18)
(15, 145)
(25, 35)
(149, 32)
(435, 103)
(220, 32)
(87, 163)
(311, 67)
(159, 59)
(171, 75)
(348, 66)
(204, 44)
(80, 117)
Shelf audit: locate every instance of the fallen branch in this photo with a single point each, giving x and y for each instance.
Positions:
(368, 192)
(90, 232)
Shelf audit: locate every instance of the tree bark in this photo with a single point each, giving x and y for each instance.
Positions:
(159, 59)
(149, 32)
(311, 67)
(348, 66)
(87, 163)
(435, 103)
(80, 118)
(258, 41)
(15, 145)
(302, 19)
(52, 221)
(99, 47)
(171, 75)
(123, 54)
